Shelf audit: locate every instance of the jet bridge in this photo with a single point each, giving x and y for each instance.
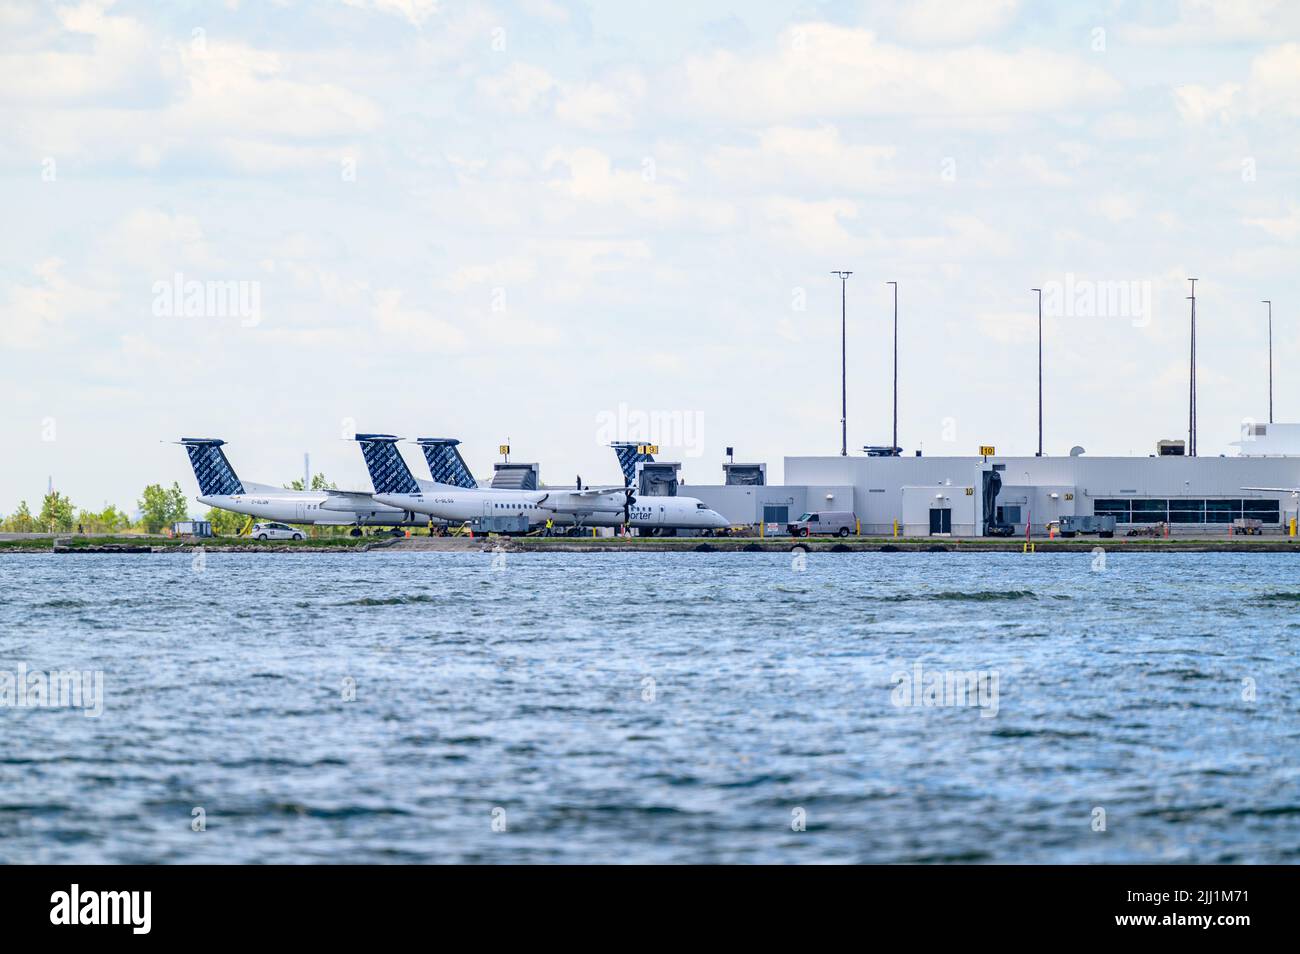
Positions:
(657, 478)
(515, 477)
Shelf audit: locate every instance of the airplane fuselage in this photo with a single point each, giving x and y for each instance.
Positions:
(311, 506)
(564, 507)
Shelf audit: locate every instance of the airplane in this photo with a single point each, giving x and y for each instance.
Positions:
(220, 487)
(592, 506)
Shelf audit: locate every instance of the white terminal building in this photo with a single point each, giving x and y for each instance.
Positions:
(946, 495)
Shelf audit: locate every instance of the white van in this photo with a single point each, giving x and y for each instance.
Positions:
(824, 523)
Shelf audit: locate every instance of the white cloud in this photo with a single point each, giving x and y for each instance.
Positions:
(37, 309)
(785, 155)
(609, 102)
(1285, 227)
(413, 328)
(1217, 21)
(588, 176)
(519, 87)
(1271, 91)
(415, 12)
(941, 21)
(823, 70)
(1200, 104)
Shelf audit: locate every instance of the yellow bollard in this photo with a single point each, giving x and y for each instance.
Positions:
(1291, 528)
(895, 529)
(762, 528)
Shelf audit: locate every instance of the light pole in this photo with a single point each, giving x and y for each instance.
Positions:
(1040, 370)
(1270, 358)
(844, 363)
(894, 445)
(1191, 398)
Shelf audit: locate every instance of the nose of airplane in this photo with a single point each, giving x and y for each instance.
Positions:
(718, 520)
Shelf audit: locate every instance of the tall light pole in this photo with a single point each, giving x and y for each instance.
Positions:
(894, 445)
(1040, 369)
(844, 363)
(1270, 358)
(1191, 397)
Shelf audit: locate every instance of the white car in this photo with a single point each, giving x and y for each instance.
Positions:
(275, 531)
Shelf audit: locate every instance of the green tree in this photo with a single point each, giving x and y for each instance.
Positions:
(318, 482)
(162, 507)
(225, 523)
(56, 513)
(20, 521)
(108, 520)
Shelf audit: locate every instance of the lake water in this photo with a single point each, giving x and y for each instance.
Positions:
(431, 707)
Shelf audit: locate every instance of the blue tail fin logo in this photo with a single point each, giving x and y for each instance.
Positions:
(215, 475)
(388, 471)
(631, 453)
(446, 466)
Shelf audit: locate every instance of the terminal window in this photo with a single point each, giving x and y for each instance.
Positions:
(1176, 510)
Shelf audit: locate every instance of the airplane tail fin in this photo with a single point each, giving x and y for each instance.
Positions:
(388, 471)
(446, 466)
(631, 453)
(215, 475)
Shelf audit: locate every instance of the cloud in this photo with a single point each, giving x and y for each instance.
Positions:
(944, 22)
(597, 104)
(1203, 22)
(413, 328)
(1285, 227)
(415, 12)
(788, 155)
(588, 176)
(823, 70)
(35, 310)
(1271, 92)
(519, 88)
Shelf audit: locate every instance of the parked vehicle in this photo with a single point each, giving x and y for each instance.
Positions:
(824, 523)
(1074, 525)
(1159, 529)
(275, 531)
(1248, 525)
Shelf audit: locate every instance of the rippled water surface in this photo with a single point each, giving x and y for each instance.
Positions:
(654, 708)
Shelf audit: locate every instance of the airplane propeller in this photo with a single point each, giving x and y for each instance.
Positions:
(628, 501)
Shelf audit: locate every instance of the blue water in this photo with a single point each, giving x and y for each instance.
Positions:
(518, 698)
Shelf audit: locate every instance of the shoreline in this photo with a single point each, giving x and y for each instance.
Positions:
(421, 544)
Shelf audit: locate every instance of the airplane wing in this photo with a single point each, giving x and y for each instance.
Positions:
(1275, 490)
(597, 491)
(347, 493)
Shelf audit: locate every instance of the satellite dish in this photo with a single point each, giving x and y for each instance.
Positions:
(1076, 451)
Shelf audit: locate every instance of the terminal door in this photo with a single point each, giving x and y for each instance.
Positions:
(941, 520)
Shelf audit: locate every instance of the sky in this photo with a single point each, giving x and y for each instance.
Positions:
(556, 224)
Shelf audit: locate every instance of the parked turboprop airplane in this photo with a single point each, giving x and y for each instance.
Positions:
(220, 487)
(593, 507)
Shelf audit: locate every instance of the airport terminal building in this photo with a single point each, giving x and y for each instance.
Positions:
(945, 496)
